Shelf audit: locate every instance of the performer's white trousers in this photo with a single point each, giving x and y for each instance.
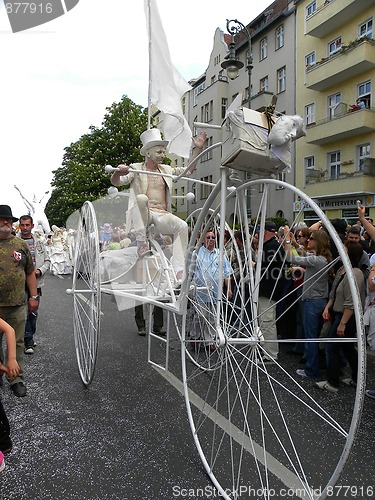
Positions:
(165, 223)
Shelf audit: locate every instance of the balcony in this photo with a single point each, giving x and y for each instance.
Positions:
(354, 182)
(313, 175)
(349, 62)
(344, 126)
(335, 13)
(261, 101)
(369, 166)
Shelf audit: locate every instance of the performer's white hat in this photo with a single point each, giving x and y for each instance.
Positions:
(150, 138)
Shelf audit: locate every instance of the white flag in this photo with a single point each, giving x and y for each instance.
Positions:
(166, 86)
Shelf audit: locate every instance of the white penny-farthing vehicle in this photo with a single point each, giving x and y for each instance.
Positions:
(256, 425)
(260, 430)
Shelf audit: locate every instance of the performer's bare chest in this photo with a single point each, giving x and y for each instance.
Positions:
(155, 183)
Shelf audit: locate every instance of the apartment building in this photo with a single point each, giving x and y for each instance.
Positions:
(335, 66)
(272, 47)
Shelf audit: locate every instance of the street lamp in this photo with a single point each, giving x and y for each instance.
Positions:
(231, 64)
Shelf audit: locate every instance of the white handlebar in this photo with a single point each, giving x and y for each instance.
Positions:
(109, 169)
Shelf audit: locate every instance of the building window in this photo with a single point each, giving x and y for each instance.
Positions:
(309, 163)
(365, 29)
(310, 113)
(263, 84)
(182, 195)
(334, 46)
(311, 8)
(213, 78)
(333, 101)
(363, 151)
(263, 49)
(197, 91)
(221, 77)
(364, 93)
(207, 112)
(194, 191)
(281, 80)
(280, 177)
(224, 107)
(208, 156)
(205, 189)
(334, 164)
(280, 37)
(310, 60)
(195, 131)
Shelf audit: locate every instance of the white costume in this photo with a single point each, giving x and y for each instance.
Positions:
(140, 215)
(59, 252)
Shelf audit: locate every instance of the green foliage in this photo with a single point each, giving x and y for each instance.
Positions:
(279, 221)
(81, 176)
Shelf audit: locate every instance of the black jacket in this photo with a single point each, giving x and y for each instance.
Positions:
(273, 272)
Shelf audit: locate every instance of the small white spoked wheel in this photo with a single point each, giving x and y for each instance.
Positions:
(256, 424)
(86, 293)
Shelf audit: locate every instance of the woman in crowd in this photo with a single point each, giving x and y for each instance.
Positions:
(299, 247)
(315, 292)
(339, 310)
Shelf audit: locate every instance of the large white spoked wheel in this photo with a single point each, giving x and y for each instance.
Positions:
(257, 425)
(86, 292)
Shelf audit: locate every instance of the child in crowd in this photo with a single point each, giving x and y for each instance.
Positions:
(12, 369)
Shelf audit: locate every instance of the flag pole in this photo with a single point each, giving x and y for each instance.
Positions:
(149, 67)
(166, 86)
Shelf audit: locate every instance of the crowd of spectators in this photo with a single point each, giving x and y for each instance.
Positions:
(307, 296)
(319, 301)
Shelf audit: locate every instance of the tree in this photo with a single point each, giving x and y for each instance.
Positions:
(81, 176)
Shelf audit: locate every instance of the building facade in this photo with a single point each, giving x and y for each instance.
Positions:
(335, 66)
(272, 41)
(318, 58)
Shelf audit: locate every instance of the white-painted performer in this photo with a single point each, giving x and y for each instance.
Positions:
(150, 195)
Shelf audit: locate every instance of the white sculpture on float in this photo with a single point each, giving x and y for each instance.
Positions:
(36, 210)
(287, 128)
(259, 143)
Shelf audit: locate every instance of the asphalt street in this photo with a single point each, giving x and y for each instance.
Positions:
(126, 436)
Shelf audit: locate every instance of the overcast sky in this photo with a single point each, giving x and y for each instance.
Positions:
(57, 79)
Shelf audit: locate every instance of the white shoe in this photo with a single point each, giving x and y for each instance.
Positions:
(266, 360)
(325, 386)
(349, 381)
